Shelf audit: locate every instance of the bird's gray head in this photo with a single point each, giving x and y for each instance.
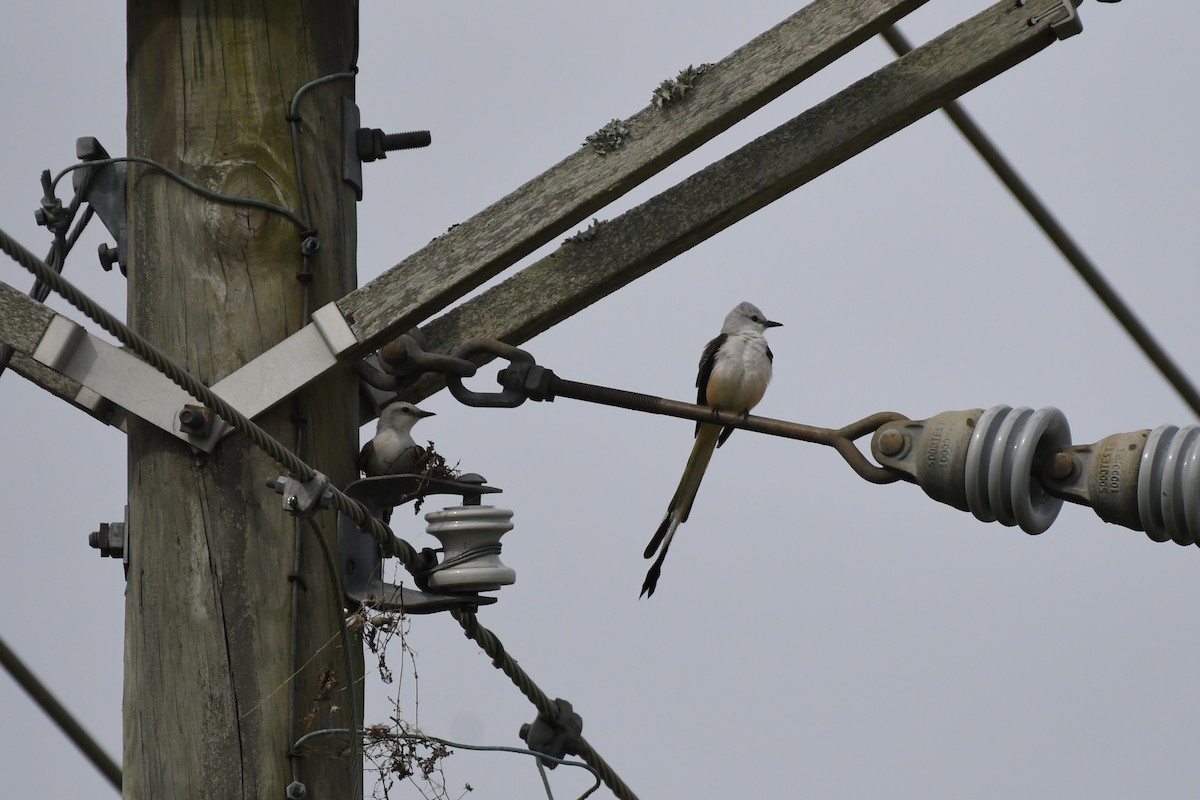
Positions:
(401, 415)
(746, 317)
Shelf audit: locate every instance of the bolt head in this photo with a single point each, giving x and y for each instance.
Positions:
(1060, 467)
(891, 442)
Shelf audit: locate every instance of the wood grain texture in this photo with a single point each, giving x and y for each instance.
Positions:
(627, 247)
(23, 320)
(208, 605)
(493, 240)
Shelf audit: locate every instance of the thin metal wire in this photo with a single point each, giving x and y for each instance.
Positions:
(294, 120)
(56, 259)
(204, 192)
(389, 543)
(335, 581)
(1066, 245)
(70, 726)
(298, 586)
(545, 706)
(488, 748)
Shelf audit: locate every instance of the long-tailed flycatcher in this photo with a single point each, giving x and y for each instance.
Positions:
(734, 372)
(393, 451)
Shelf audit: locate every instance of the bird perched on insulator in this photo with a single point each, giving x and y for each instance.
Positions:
(393, 451)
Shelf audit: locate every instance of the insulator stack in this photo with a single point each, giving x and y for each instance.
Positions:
(980, 461)
(1016, 466)
(1145, 480)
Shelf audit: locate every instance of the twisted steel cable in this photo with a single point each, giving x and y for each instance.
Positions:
(545, 706)
(389, 542)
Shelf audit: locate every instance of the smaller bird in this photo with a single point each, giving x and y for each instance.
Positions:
(393, 450)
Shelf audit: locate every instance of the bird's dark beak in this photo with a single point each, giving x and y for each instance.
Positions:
(424, 414)
(770, 324)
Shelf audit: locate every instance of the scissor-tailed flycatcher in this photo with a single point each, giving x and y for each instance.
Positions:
(393, 451)
(734, 372)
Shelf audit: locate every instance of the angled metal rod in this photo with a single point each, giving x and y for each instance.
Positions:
(70, 726)
(1070, 250)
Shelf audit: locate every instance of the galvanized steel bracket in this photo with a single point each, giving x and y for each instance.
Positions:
(1065, 27)
(360, 556)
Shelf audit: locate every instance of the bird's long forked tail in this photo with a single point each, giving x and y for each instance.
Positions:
(681, 503)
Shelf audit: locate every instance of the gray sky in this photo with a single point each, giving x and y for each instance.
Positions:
(820, 636)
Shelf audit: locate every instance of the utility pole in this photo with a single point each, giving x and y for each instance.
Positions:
(208, 630)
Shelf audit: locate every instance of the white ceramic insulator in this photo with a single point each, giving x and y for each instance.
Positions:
(461, 529)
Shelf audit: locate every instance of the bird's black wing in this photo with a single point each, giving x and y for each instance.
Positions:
(363, 456)
(707, 359)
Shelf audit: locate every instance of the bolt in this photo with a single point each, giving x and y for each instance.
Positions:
(394, 353)
(108, 256)
(374, 144)
(1060, 467)
(406, 141)
(472, 479)
(891, 442)
(195, 420)
(109, 540)
(310, 245)
(295, 791)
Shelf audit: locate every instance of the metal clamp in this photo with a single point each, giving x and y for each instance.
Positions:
(515, 390)
(103, 187)
(362, 560)
(557, 736)
(303, 498)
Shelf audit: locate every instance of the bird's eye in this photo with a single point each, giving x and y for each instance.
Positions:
(755, 318)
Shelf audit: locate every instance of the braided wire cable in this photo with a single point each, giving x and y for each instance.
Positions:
(388, 542)
(545, 706)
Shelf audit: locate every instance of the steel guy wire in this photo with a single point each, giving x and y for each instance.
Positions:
(545, 706)
(67, 723)
(1066, 245)
(388, 542)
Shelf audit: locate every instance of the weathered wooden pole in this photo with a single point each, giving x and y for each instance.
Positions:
(208, 630)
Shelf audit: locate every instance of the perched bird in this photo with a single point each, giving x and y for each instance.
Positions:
(393, 450)
(734, 371)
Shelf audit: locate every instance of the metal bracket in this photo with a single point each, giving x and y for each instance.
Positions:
(361, 144)
(1065, 27)
(351, 163)
(109, 375)
(303, 498)
(362, 562)
(104, 190)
